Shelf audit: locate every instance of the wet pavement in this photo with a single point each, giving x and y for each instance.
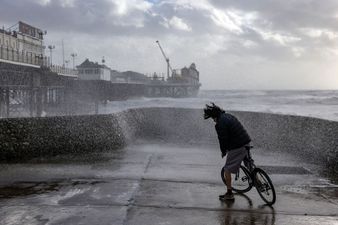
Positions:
(159, 184)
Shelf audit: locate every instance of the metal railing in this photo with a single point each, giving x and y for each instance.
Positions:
(15, 55)
(63, 70)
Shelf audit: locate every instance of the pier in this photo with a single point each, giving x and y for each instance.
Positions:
(31, 84)
(27, 89)
(30, 90)
(171, 90)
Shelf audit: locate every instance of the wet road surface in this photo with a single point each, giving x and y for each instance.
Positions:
(159, 184)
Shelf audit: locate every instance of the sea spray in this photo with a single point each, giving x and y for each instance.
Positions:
(314, 140)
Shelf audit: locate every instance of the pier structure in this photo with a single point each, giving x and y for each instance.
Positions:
(171, 90)
(182, 83)
(29, 83)
(29, 90)
(32, 85)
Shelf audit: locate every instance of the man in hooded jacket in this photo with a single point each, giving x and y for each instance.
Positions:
(232, 138)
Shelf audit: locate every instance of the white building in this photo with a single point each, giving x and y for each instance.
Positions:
(186, 75)
(93, 71)
(24, 39)
(117, 77)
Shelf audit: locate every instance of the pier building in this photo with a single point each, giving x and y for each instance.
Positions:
(89, 70)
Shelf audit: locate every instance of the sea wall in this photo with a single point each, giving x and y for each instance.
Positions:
(24, 138)
(310, 138)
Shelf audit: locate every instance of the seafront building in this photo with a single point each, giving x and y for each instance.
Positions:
(186, 75)
(89, 70)
(135, 77)
(23, 38)
(22, 43)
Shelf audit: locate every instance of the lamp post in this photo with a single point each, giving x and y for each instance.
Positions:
(51, 47)
(73, 55)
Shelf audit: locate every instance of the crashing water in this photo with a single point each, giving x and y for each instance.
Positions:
(313, 103)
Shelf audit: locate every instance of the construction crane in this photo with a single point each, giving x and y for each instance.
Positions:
(166, 59)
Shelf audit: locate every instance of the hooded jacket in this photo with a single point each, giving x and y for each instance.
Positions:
(231, 133)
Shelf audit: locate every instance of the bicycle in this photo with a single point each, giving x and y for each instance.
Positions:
(248, 176)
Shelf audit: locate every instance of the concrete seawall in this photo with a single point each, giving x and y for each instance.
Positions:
(24, 138)
(313, 139)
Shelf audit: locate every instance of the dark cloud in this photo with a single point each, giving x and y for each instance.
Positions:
(91, 16)
(276, 32)
(85, 15)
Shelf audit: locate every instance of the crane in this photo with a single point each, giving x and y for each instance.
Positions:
(166, 59)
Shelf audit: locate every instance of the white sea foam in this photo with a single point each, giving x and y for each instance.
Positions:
(320, 104)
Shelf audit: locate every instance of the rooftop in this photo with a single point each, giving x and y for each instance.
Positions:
(90, 64)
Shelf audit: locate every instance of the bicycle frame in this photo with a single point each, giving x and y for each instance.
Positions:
(249, 163)
(264, 187)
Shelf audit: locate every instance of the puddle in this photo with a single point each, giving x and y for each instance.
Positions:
(20, 189)
(326, 191)
(285, 170)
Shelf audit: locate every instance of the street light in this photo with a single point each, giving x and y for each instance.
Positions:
(51, 47)
(73, 55)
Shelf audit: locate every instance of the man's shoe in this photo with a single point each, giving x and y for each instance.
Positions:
(227, 196)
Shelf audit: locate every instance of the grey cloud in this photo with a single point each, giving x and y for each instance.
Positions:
(94, 22)
(288, 18)
(87, 16)
(289, 15)
(91, 16)
(54, 16)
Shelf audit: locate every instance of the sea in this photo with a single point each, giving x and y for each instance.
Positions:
(312, 103)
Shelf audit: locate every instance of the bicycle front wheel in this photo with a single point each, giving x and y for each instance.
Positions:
(264, 186)
(241, 183)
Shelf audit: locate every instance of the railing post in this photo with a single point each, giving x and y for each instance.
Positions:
(1, 101)
(31, 101)
(96, 105)
(7, 102)
(39, 102)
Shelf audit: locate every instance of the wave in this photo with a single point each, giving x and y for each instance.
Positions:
(321, 104)
(310, 100)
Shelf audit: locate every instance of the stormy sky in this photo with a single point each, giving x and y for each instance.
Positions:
(236, 44)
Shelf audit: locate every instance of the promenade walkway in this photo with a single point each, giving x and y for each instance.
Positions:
(153, 184)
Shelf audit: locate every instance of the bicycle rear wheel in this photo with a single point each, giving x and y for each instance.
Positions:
(264, 186)
(241, 183)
